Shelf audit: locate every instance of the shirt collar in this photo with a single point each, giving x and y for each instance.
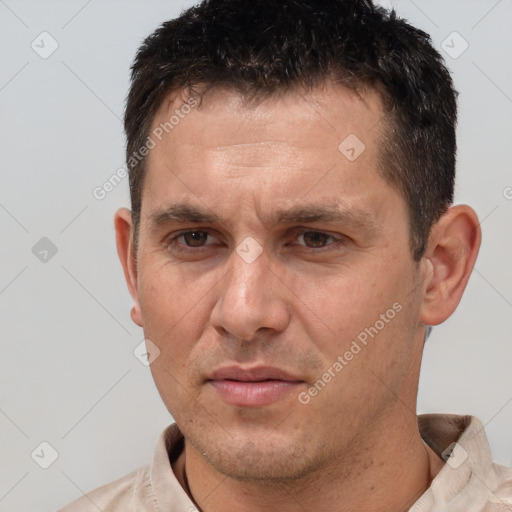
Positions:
(468, 471)
(165, 488)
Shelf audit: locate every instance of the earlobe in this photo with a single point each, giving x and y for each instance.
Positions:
(450, 257)
(126, 252)
(136, 315)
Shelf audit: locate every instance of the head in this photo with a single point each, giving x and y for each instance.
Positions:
(291, 218)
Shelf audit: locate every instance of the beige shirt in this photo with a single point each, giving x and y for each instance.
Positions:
(468, 482)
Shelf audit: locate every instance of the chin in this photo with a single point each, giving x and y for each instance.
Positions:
(262, 461)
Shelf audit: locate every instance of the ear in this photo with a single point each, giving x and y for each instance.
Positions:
(451, 253)
(126, 251)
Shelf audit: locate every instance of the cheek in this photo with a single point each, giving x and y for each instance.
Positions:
(338, 306)
(169, 296)
(175, 312)
(366, 313)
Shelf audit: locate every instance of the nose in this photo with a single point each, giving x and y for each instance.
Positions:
(252, 299)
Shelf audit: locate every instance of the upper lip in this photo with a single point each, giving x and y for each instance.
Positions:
(255, 374)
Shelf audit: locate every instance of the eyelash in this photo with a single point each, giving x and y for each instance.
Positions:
(180, 247)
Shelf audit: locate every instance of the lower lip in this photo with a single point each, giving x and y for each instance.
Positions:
(254, 394)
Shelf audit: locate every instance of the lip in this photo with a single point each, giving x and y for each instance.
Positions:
(253, 387)
(257, 373)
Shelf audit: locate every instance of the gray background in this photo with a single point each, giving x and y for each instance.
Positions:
(68, 375)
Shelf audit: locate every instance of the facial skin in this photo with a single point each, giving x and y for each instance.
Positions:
(296, 308)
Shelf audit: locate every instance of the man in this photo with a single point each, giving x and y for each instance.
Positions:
(291, 240)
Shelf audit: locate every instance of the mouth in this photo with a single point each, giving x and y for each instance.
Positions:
(255, 387)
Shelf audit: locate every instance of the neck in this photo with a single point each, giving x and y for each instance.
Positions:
(381, 473)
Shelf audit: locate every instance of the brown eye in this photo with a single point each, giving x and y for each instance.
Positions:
(195, 238)
(315, 238)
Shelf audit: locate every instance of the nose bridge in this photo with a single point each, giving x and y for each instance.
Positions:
(248, 278)
(250, 298)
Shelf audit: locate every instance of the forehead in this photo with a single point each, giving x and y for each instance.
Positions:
(330, 106)
(324, 141)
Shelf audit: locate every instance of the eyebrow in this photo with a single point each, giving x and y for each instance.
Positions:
(181, 212)
(301, 214)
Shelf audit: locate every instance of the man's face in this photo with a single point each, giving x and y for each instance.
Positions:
(298, 259)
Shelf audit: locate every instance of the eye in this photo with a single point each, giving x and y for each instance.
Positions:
(194, 238)
(189, 239)
(318, 239)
